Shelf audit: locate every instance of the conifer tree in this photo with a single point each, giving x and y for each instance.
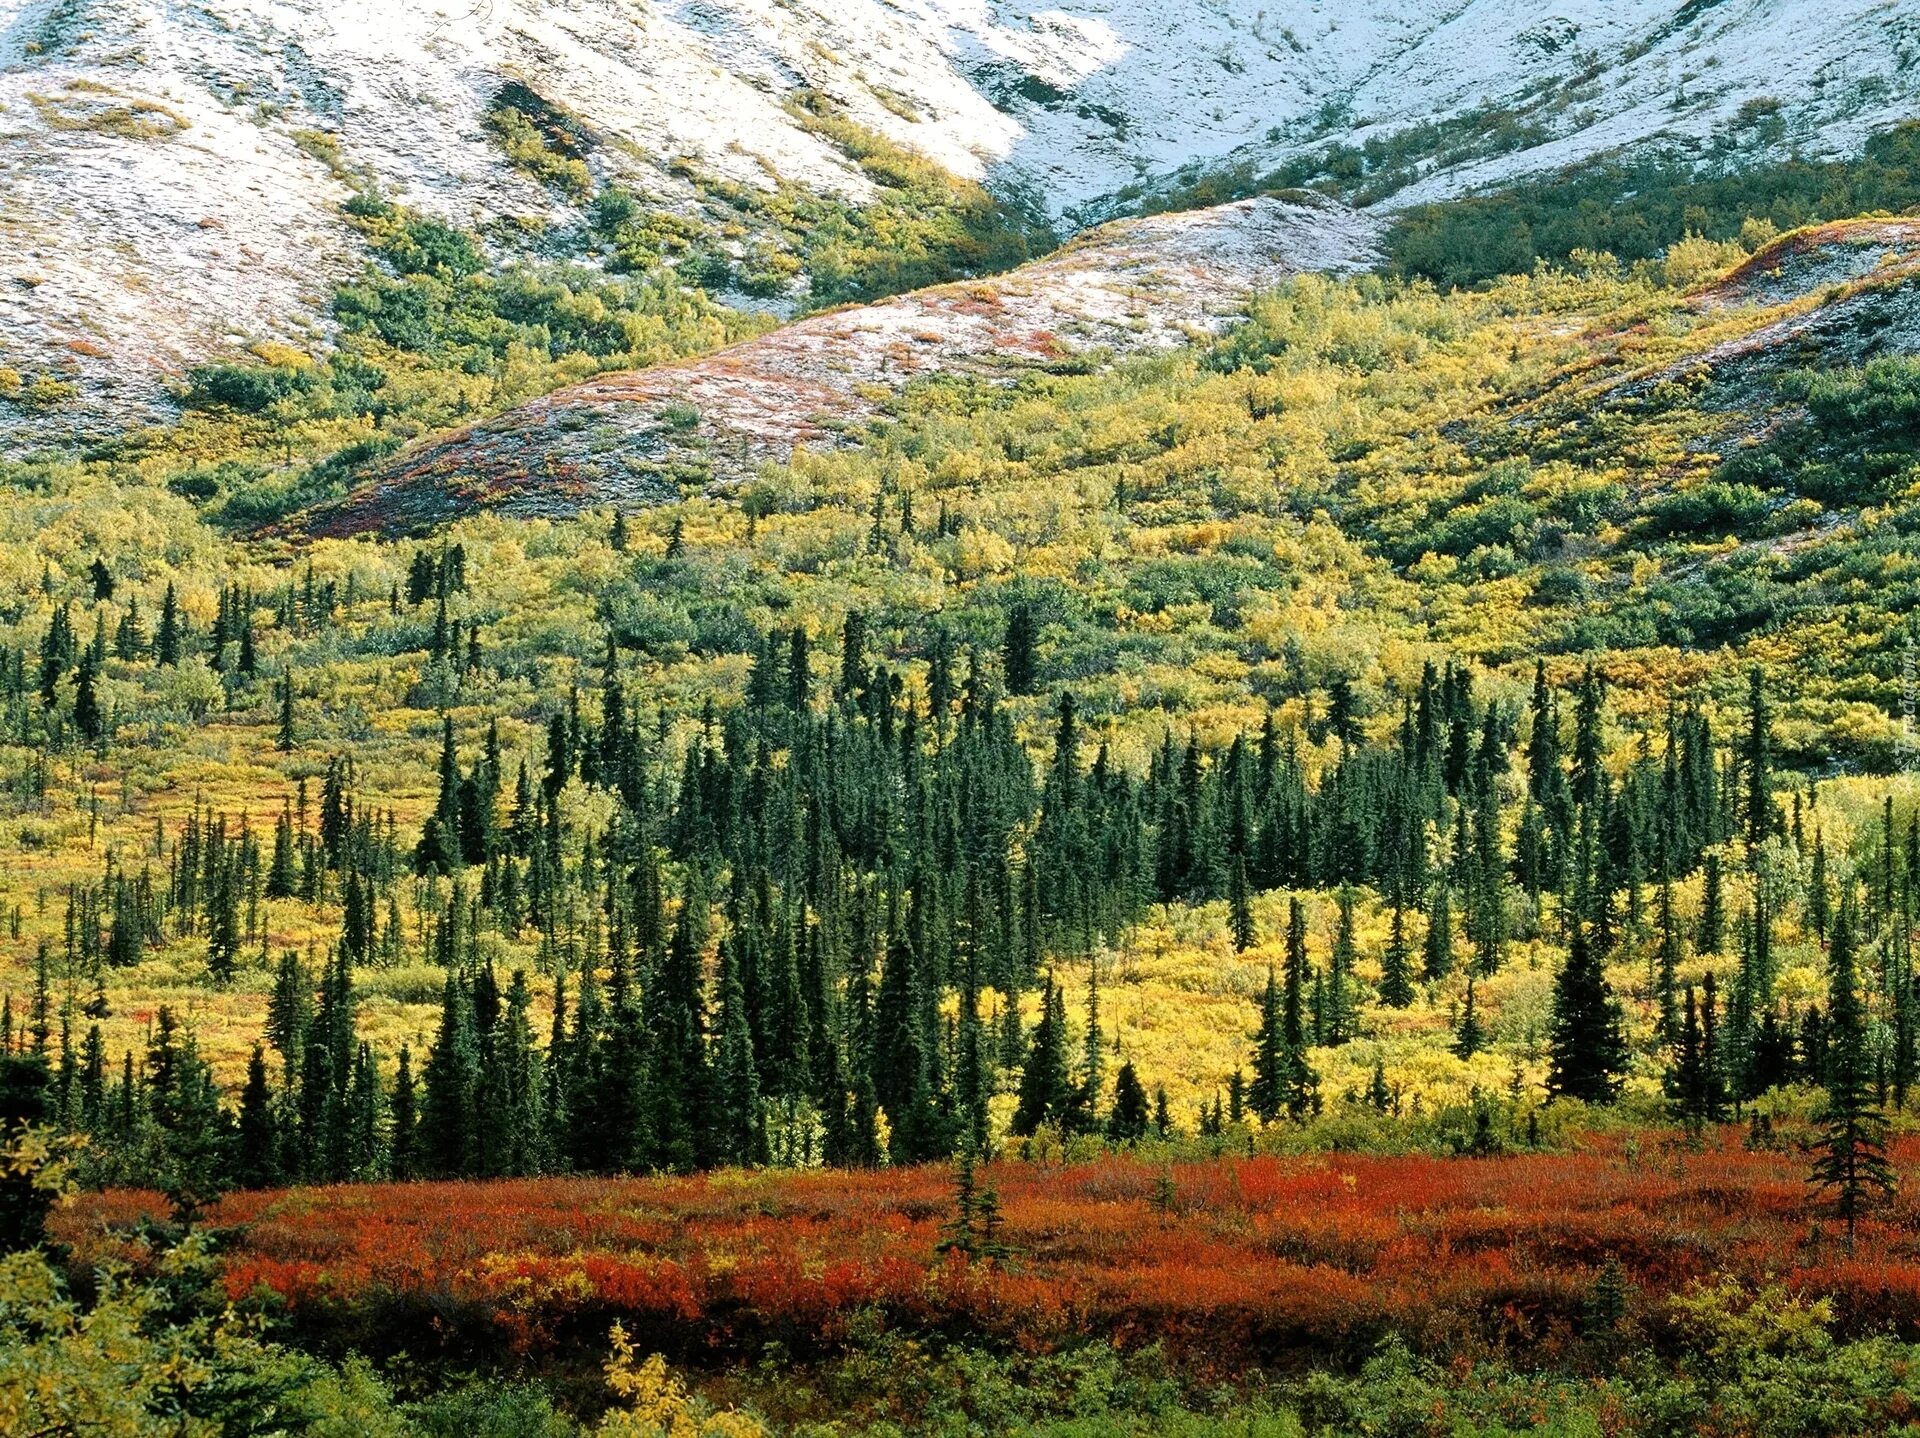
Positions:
(1240, 907)
(736, 1081)
(26, 1100)
(519, 1087)
(450, 1082)
(1092, 1084)
(1396, 965)
(1587, 1053)
(1686, 1078)
(280, 870)
(683, 1134)
(1299, 1083)
(88, 717)
(1669, 964)
(1850, 1154)
(1266, 1093)
(1757, 761)
(166, 643)
(1129, 1118)
(1468, 1037)
(257, 1140)
(1713, 919)
(403, 1141)
(130, 635)
(1017, 658)
(1819, 901)
(1339, 1018)
(1439, 946)
(284, 736)
(1045, 1090)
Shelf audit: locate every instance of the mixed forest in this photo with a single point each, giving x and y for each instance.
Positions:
(1053, 916)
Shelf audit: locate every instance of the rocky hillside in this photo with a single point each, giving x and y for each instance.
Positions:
(634, 438)
(172, 172)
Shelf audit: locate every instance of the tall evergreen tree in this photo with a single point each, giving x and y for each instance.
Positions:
(257, 1140)
(1396, 965)
(1850, 1157)
(1130, 1117)
(1439, 946)
(1046, 1091)
(1267, 1093)
(1468, 1035)
(1686, 1078)
(450, 1082)
(1757, 760)
(1240, 907)
(1018, 663)
(403, 1140)
(1587, 1053)
(736, 1080)
(166, 643)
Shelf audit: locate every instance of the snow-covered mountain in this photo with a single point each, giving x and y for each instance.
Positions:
(171, 170)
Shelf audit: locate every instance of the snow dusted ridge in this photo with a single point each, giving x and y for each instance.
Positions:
(157, 205)
(629, 439)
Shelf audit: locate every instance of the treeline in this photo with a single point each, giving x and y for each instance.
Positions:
(805, 929)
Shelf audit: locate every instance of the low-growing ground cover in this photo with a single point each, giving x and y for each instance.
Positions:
(1234, 1261)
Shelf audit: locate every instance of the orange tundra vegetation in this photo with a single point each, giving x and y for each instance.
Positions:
(1230, 1260)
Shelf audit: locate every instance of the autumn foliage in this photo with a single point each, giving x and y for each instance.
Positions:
(1231, 1260)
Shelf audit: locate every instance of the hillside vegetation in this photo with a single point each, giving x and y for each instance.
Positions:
(1366, 482)
(1419, 722)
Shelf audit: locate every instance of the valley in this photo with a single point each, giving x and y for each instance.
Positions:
(759, 717)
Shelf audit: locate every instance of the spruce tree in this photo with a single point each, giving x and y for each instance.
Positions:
(1266, 1093)
(256, 1162)
(26, 1100)
(451, 1081)
(522, 1149)
(1819, 901)
(1587, 1053)
(284, 736)
(1091, 1079)
(736, 1080)
(1339, 1018)
(1396, 965)
(88, 717)
(1669, 964)
(1468, 1037)
(1439, 946)
(1686, 1077)
(1045, 1089)
(166, 643)
(1129, 1118)
(1240, 907)
(1757, 760)
(1299, 1083)
(1018, 665)
(1713, 918)
(1850, 1154)
(403, 1141)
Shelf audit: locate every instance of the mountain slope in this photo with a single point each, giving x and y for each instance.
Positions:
(172, 171)
(633, 438)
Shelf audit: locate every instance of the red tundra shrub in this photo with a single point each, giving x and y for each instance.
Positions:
(1239, 1259)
